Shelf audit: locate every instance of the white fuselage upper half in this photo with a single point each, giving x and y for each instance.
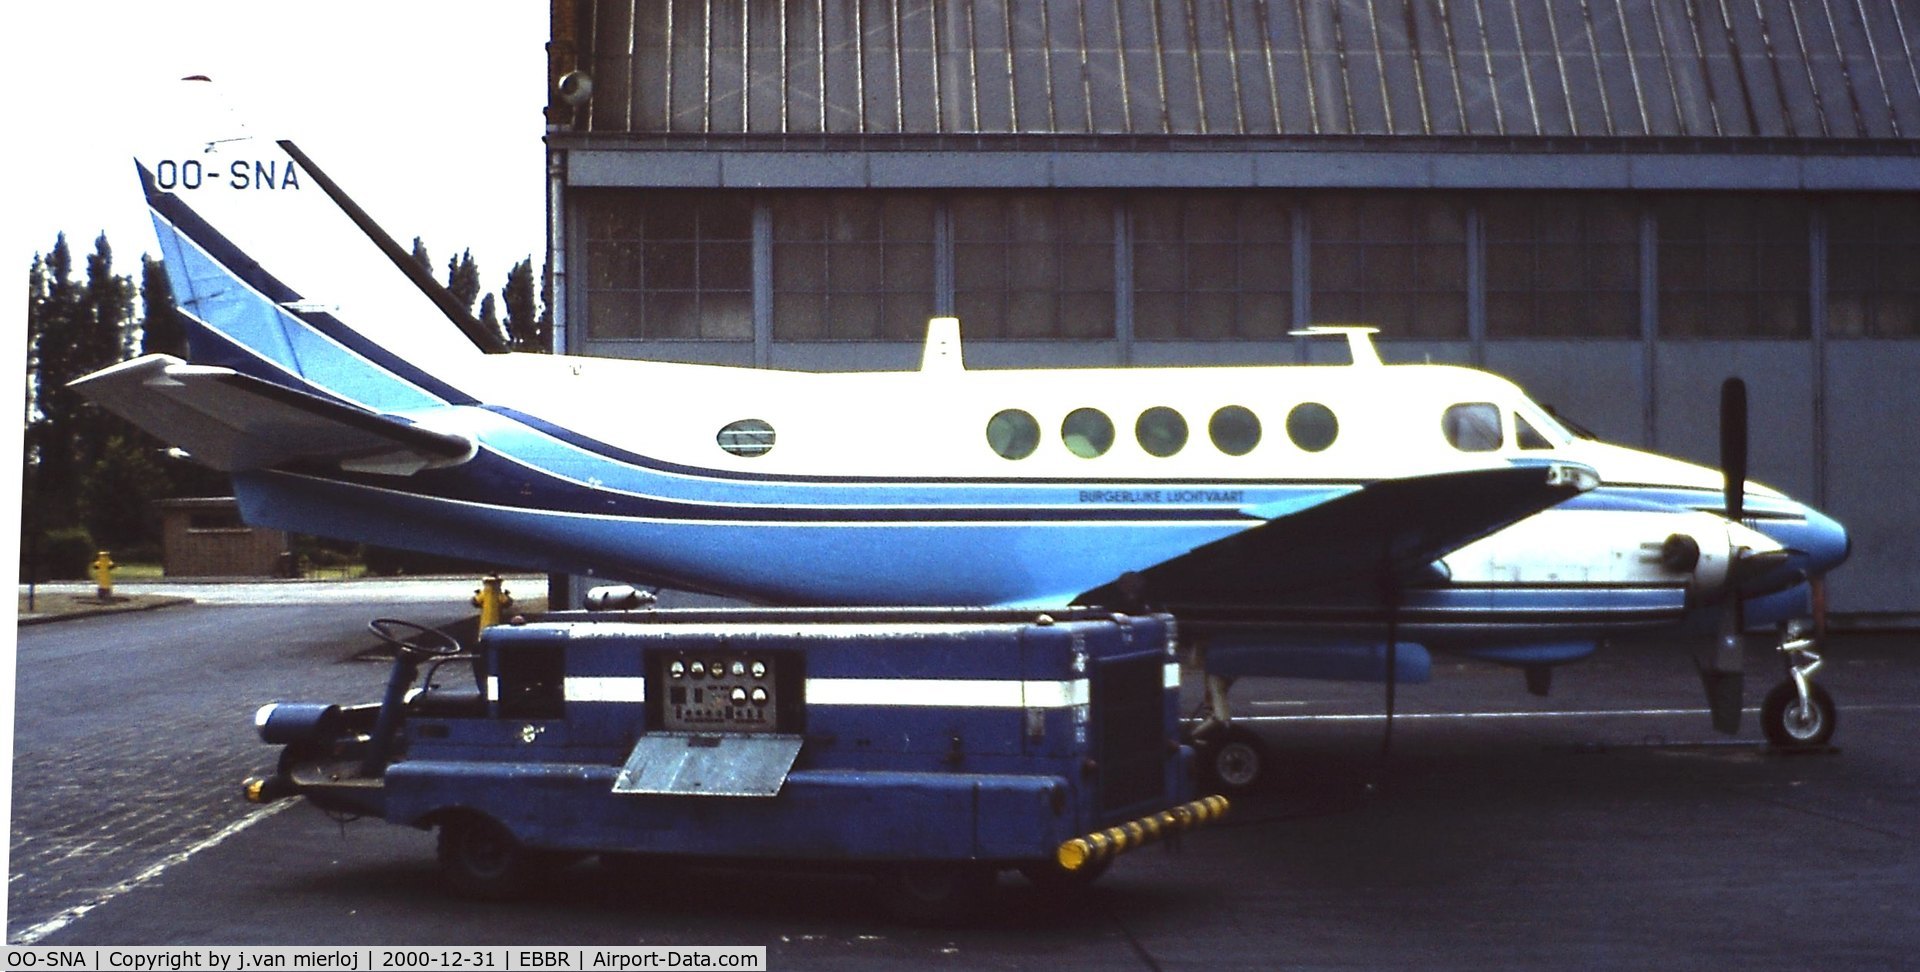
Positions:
(1389, 421)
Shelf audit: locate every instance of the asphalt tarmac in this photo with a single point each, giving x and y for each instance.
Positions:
(1605, 826)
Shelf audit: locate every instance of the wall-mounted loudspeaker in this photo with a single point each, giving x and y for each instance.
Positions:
(575, 88)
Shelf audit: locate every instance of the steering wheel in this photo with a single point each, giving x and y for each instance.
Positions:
(419, 642)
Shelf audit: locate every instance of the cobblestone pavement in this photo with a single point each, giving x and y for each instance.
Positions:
(132, 733)
(1604, 827)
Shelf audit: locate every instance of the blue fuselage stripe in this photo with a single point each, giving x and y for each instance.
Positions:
(245, 269)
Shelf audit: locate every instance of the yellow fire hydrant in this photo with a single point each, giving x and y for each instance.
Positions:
(103, 576)
(493, 600)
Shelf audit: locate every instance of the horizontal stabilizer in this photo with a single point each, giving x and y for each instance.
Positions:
(235, 422)
(1382, 532)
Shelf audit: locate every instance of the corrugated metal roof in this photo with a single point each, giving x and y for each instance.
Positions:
(1704, 69)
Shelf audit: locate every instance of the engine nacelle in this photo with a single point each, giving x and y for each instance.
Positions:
(1588, 546)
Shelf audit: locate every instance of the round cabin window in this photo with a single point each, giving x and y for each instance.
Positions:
(747, 437)
(1312, 426)
(1088, 432)
(1161, 431)
(1013, 434)
(1234, 430)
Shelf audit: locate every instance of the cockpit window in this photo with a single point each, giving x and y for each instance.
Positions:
(1088, 432)
(1161, 431)
(1473, 427)
(1312, 426)
(1013, 434)
(1528, 436)
(1566, 425)
(747, 437)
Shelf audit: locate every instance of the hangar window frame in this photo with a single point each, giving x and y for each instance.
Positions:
(1734, 266)
(1560, 266)
(1034, 265)
(853, 266)
(1211, 265)
(1873, 266)
(669, 264)
(1397, 260)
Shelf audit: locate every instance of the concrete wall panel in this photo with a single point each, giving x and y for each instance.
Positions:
(1873, 472)
(1599, 384)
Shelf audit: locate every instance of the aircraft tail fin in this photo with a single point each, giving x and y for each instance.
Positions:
(279, 275)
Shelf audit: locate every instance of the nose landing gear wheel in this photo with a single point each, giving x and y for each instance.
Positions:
(1787, 727)
(1236, 763)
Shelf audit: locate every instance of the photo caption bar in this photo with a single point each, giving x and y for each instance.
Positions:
(384, 958)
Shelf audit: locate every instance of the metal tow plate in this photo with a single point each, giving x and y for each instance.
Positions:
(708, 764)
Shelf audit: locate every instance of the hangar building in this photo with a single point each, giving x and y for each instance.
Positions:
(1616, 203)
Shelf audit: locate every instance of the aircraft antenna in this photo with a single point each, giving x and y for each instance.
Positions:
(942, 352)
(481, 335)
(1359, 339)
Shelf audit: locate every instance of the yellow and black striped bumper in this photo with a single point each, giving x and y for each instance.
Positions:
(1096, 847)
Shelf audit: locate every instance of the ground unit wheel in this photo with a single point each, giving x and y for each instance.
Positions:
(1051, 878)
(935, 892)
(1781, 720)
(479, 858)
(1236, 762)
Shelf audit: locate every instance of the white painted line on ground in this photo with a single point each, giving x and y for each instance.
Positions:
(75, 913)
(1569, 714)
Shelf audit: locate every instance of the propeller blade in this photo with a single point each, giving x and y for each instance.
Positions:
(1723, 664)
(1733, 446)
(1723, 668)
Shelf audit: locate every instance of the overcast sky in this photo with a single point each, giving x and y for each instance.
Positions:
(427, 113)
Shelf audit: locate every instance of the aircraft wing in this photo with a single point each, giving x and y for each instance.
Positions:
(1385, 530)
(235, 422)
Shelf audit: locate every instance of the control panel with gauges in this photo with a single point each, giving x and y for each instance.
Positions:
(725, 689)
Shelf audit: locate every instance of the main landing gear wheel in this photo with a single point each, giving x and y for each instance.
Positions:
(1235, 762)
(479, 858)
(1788, 727)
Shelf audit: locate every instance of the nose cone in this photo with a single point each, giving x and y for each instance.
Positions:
(1792, 550)
(1814, 547)
(1826, 543)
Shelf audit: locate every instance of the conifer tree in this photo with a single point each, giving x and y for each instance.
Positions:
(57, 311)
(161, 329)
(545, 327)
(39, 294)
(489, 318)
(463, 279)
(107, 336)
(523, 325)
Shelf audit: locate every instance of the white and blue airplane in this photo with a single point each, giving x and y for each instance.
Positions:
(1337, 521)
